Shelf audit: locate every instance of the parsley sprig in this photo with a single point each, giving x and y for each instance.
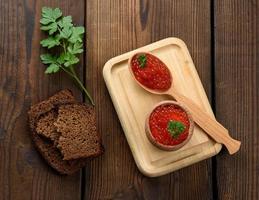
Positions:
(142, 59)
(67, 38)
(175, 128)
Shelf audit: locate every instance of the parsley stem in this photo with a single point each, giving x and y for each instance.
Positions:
(84, 89)
(72, 70)
(64, 47)
(65, 70)
(73, 75)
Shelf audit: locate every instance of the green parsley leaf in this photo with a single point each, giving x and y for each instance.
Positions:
(49, 17)
(61, 59)
(52, 28)
(65, 22)
(48, 59)
(77, 34)
(142, 59)
(49, 14)
(52, 68)
(45, 21)
(66, 32)
(175, 128)
(71, 60)
(75, 48)
(50, 42)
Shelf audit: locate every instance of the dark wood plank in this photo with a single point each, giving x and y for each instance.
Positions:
(23, 174)
(237, 95)
(115, 27)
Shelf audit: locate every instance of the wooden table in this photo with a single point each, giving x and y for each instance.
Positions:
(222, 37)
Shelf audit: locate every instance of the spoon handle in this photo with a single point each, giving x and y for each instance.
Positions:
(213, 128)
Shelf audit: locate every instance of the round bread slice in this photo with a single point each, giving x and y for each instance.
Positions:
(76, 124)
(41, 116)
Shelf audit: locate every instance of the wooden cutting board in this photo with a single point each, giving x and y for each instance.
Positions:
(133, 103)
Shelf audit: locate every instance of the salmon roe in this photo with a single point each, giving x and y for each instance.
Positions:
(154, 75)
(158, 123)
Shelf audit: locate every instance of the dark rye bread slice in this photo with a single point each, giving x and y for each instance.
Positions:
(62, 97)
(53, 157)
(45, 126)
(76, 124)
(47, 148)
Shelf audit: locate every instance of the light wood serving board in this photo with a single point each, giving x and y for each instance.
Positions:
(133, 103)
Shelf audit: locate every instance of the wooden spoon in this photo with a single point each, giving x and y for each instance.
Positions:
(210, 125)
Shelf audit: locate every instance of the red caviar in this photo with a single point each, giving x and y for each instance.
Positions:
(158, 124)
(154, 74)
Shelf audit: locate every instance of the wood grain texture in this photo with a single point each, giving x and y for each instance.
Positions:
(115, 27)
(23, 173)
(237, 95)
